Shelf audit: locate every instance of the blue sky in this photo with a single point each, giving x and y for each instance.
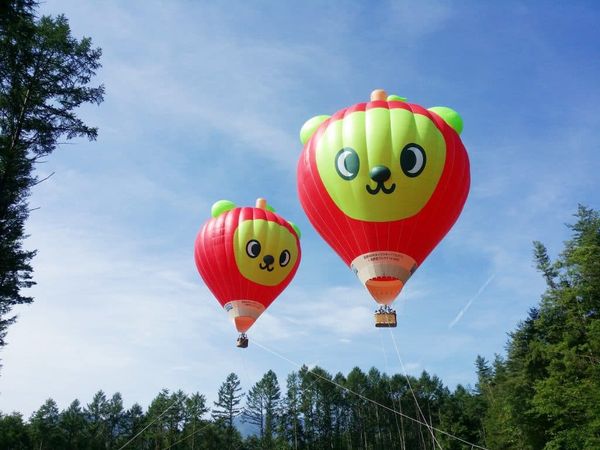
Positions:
(204, 101)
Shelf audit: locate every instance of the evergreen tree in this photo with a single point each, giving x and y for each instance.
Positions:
(74, 426)
(262, 407)
(133, 422)
(44, 77)
(115, 420)
(291, 423)
(96, 414)
(227, 407)
(13, 432)
(44, 426)
(195, 408)
(165, 415)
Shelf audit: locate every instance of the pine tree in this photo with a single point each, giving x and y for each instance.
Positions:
(45, 430)
(291, 423)
(74, 426)
(96, 414)
(13, 432)
(262, 407)
(195, 408)
(228, 407)
(44, 77)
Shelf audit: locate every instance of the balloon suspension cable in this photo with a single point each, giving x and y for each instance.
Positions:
(316, 374)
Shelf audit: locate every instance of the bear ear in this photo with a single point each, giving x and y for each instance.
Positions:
(296, 229)
(310, 126)
(396, 98)
(450, 116)
(220, 207)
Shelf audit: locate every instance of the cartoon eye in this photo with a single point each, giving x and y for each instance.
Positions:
(347, 163)
(284, 258)
(253, 248)
(412, 160)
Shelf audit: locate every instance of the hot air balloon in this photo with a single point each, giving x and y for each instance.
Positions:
(383, 182)
(246, 256)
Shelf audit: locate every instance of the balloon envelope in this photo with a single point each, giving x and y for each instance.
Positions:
(247, 257)
(383, 182)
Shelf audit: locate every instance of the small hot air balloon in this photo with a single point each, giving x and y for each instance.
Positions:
(246, 256)
(383, 182)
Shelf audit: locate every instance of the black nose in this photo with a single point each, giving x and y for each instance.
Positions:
(380, 174)
(268, 259)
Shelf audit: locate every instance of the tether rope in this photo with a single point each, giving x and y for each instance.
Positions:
(389, 380)
(429, 427)
(149, 425)
(370, 400)
(188, 436)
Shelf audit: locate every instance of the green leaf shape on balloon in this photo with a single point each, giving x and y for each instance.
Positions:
(396, 98)
(450, 116)
(220, 207)
(296, 229)
(310, 126)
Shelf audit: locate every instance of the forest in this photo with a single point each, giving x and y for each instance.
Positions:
(543, 393)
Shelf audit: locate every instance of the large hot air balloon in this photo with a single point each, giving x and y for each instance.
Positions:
(246, 256)
(383, 182)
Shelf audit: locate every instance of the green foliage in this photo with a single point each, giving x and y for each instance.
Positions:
(228, 408)
(14, 432)
(547, 391)
(262, 407)
(44, 77)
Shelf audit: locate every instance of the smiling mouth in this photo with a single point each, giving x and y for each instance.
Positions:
(381, 187)
(266, 267)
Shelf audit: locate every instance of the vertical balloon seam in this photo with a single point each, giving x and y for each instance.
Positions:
(229, 244)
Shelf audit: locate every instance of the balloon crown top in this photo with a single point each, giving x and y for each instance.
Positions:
(223, 206)
(261, 203)
(381, 95)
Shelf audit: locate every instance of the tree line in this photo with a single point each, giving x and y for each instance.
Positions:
(312, 413)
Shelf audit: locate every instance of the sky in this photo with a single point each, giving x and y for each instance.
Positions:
(204, 101)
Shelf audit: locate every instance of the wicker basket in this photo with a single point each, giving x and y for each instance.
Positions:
(385, 319)
(242, 342)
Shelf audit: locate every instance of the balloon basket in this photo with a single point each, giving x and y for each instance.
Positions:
(242, 341)
(385, 317)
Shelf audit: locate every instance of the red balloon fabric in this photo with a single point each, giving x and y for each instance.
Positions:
(360, 241)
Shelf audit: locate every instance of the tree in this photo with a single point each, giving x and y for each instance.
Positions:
(227, 406)
(45, 430)
(134, 421)
(13, 432)
(96, 414)
(262, 407)
(291, 423)
(115, 419)
(74, 426)
(44, 77)
(165, 415)
(228, 401)
(195, 408)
